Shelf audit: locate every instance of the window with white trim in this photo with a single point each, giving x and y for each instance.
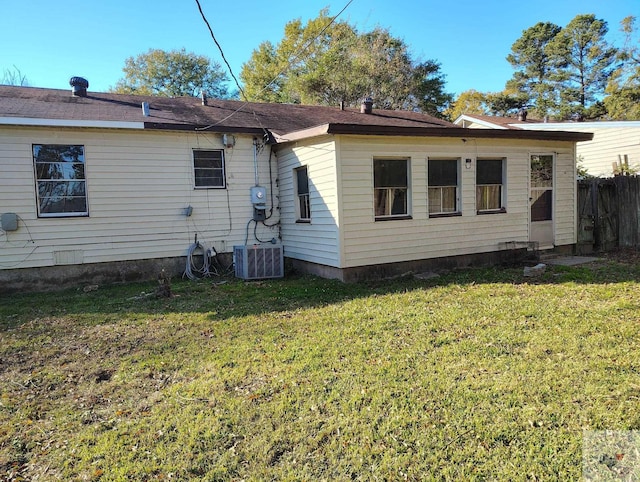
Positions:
(443, 180)
(301, 176)
(208, 168)
(490, 186)
(61, 185)
(391, 188)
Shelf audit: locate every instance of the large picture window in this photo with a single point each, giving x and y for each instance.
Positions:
(490, 186)
(443, 187)
(302, 192)
(60, 180)
(391, 188)
(208, 168)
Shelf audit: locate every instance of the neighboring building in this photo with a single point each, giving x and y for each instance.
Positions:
(99, 186)
(614, 143)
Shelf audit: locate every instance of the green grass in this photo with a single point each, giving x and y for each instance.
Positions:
(476, 375)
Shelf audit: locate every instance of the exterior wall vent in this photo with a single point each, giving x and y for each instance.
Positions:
(79, 86)
(258, 261)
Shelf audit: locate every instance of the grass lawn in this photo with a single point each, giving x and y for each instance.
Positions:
(475, 375)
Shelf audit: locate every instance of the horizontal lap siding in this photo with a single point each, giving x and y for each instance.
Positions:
(138, 185)
(369, 242)
(318, 241)
(599, 155)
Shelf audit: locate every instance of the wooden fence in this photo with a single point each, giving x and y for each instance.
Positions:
(608, 213)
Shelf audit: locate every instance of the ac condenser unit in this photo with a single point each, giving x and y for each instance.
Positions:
(258, 261)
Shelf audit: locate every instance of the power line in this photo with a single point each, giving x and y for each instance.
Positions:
(306, 46)
(220, 49)
(287, 66)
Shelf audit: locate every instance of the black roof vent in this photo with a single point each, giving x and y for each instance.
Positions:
(367, 106)
(79, 86)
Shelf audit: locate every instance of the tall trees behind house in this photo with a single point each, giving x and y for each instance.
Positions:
(570, 72)
(330, 63)
(172, 74)
(623, 91)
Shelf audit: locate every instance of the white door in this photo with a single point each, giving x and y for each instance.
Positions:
(541, 200)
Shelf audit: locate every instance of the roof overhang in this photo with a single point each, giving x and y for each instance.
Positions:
(459, 132)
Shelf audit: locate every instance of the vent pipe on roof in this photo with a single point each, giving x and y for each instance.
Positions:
(203, 97)
(79, 86)
(522, 114)
(367, 106)
(145, 109)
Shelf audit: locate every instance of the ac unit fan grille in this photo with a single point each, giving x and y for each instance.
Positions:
(258, 262)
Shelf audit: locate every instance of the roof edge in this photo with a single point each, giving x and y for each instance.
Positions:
(461, 132)
(32, 121)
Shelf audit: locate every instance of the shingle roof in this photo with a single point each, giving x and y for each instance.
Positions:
(188, 113)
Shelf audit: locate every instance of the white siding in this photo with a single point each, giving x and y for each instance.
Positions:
(138, 185)
(611, 141)
(369, 242)
(319, 240)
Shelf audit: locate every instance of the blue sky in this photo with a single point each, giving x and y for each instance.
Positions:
(50, 41)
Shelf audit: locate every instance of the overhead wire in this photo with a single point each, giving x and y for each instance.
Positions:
(290, 61)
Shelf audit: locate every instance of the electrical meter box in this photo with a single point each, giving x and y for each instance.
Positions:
(258, 199)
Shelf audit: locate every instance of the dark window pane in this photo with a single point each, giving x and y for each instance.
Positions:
(302, 180)
(389, 173)
(541, 205)
(61, 185)
(489, 172)
(443, 172)
(58, 153)
(542, 171)
(208, 168)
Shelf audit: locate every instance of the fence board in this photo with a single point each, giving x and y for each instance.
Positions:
(608, 213)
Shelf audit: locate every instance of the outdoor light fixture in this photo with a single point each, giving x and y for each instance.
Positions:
(467, 163)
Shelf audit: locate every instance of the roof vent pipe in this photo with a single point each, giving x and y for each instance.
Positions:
(367, 106)
(203, 97)
(522, 114)
(79, 86)
(145, 109)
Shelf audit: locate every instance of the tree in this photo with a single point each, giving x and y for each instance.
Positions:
(538, 63)
(172, 74)
(589, 63)
(14, 77)
(329, 63)
(623, 90)
(468, 102)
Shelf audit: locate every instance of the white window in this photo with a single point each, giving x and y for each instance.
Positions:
(208, 168)
(444, 187)
(391, 188)
(302, 192)
(61, 186)
(490, 186)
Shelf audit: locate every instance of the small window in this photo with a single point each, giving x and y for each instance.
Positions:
(208, 168)
(391, 187)
(60, 180)
(443, 187)
(490, 186)
(302, 191)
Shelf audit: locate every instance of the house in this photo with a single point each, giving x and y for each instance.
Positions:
(101, 186)
(615, 144)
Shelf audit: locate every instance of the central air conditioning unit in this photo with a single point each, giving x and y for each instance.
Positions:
(258, 261)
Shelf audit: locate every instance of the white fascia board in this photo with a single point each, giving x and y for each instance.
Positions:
(30, 121)
(581, 125)
(483, 123)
